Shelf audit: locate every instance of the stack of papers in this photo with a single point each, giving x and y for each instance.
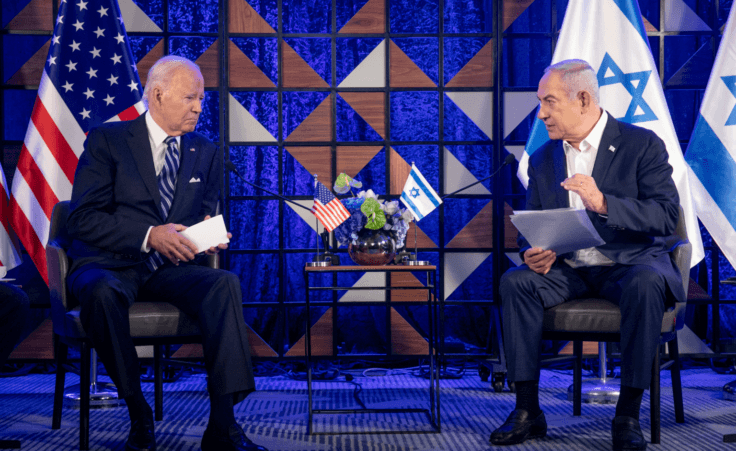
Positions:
(562, 230)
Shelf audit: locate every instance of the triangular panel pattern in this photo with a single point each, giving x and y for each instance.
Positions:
(145, 64)
(352, 159)
(244, 19)
(30, 73)
(244, 127)
(296, 72)
(512, 10)
(696, 70)
(309, 217)
(135, 19)
(518, 107)
(37, 15)
(371, 72)
(317, 126)
(458, 267)
(479, 233)
(457, 125)
(516, 151)
(371, 107)
(400, 170)
(321, 336)
(407, 279)
(316, 160)
(457, 176)
(423, 240)
(404, 73)
(405, 340)
(478, 106)
(478, 72)
(258, 348)
(679, 17)
(371, 18)
(352, 126)
(369, 279)
(243, 72)
(209, 65)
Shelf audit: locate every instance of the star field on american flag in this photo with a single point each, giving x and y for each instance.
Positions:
(328, 208)
(90, 62)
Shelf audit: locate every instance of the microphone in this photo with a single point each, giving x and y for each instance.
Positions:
(507, 161)
(231, 167)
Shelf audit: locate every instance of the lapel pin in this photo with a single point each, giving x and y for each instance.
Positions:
(611, 148)
(191, 149)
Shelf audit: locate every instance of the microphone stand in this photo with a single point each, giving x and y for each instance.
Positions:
(328, 258)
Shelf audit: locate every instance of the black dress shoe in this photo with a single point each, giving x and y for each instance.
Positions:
(518, 427)
(627, 434)
(141, 436)
(235, 440)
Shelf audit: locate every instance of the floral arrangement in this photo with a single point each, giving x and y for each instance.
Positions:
(369, 212)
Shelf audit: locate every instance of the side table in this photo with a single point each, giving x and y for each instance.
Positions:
(434, 331)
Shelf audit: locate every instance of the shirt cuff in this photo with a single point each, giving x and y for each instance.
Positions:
(144, 247)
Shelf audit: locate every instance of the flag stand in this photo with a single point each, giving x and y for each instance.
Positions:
(327, 258)
(409, 259)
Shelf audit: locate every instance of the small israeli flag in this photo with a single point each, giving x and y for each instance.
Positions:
(418, 195)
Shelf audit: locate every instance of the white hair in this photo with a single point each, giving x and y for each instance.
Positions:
(163, 71)
(577, 76)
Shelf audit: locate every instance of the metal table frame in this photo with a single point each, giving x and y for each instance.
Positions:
(434, 332)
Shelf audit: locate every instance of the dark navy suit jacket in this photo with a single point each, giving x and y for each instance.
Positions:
(633, 173)
(115, 196)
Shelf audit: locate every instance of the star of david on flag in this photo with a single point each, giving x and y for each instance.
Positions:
(89, 78)
(711, 153)
(610, 36)
(418, 195)
(328, 208)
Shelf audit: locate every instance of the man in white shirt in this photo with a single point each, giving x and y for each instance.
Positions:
(137, 185)
(620, 175)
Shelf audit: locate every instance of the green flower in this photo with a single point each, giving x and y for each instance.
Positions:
(372, 210)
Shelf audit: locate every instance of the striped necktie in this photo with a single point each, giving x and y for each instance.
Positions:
(166, 187)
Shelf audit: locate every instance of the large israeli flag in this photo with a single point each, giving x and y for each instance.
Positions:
(610, 35)
(712, 149)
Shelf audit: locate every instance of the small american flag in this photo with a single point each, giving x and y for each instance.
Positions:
(89, 78)
(327, 208)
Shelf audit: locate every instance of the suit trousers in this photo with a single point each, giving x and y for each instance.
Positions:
(639, 290)
(14, 311)
(211, 296)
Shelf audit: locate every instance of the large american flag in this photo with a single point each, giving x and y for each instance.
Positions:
(89, 78)
(328, 208)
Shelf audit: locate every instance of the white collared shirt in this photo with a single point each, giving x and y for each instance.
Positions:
(156, 137)
(582, 162)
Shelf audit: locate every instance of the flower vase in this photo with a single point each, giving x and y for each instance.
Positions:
(373, 248)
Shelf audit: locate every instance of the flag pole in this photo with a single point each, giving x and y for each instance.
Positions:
(327, 258)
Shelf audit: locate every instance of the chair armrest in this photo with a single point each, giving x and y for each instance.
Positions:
(57, 264)
(213, 261)
(682, 253)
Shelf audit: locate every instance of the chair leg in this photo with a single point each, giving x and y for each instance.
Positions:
(676, 380)
(158, 382)
(577, 379)
(84, 383)
(60, 351)
(654, 399)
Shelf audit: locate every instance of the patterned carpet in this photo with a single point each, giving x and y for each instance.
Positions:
(275, 416)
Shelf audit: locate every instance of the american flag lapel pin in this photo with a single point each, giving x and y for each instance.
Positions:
(611, 148)
(191, 149)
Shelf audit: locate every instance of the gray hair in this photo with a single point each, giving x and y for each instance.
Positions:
(576, 76)
(162, 72)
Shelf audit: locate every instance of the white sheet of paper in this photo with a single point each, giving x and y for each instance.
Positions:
(207, 233)
(562, 230)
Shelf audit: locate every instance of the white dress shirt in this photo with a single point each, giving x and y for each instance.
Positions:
(156, 137)
(582, 162)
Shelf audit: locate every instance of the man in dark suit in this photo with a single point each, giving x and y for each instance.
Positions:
(619, 173)
(138, 184)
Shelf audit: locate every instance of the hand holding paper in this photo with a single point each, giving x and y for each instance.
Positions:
(208, 234)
